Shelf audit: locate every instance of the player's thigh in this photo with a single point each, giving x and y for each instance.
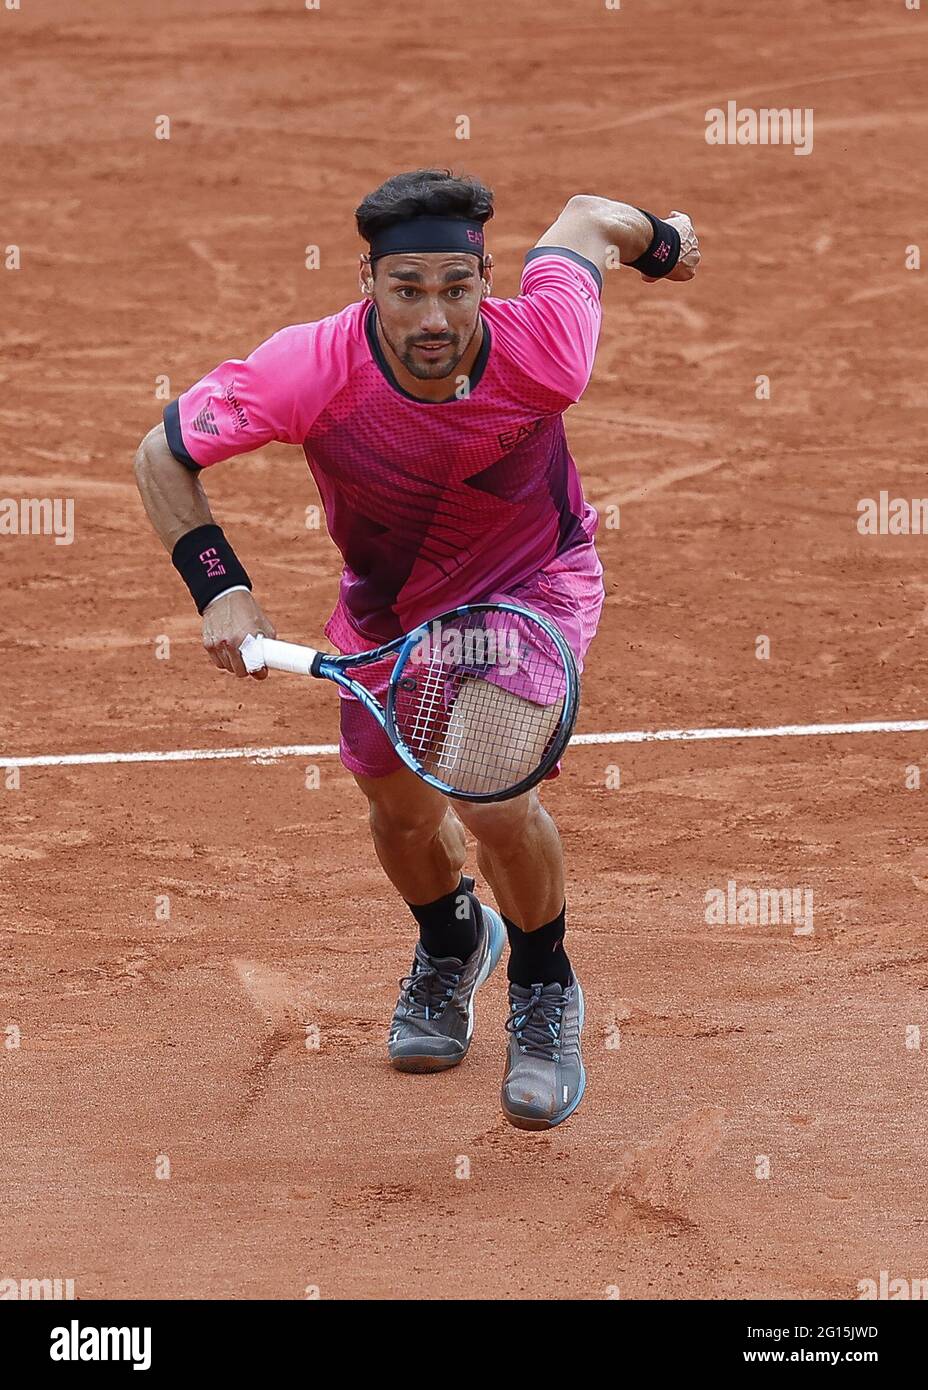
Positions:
(494, 738)
(401, 803)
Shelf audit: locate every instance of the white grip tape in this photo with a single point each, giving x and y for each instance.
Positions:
(258, 652)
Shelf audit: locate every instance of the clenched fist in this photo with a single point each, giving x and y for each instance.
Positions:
(688, 263)
(227, 621)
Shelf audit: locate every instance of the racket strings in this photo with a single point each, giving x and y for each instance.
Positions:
(485, 732)
(424, 714)
(484, 725)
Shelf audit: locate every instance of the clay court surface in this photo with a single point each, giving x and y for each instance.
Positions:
(143, 1037)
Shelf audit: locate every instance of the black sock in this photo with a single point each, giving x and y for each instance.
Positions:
(448, 926)
(538, 957)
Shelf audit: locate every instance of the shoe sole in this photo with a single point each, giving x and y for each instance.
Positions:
(527, 1122)
(424, 1062)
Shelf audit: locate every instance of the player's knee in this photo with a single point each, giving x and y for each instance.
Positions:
(397, 824)
(502, 825)
(397, 813)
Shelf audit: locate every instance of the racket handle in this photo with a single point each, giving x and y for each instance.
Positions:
(258, 652)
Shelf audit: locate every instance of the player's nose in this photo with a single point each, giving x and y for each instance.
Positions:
(434, 320)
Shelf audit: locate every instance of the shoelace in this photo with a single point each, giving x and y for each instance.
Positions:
(428, 990)
(536, 1026)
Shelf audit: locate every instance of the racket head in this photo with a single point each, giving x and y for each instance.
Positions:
(482, 700)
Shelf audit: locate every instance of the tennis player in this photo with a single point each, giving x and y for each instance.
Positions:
(431, 417)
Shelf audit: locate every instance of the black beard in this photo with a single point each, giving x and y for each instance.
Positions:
(424, 371)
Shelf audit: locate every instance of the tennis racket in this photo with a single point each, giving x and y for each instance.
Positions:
(481, 701)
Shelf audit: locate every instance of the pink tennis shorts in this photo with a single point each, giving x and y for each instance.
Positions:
(569, 591)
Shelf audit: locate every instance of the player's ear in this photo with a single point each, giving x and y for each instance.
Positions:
(487, 276)
(365, 275)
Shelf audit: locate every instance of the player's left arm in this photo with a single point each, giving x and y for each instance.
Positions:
(659, 248)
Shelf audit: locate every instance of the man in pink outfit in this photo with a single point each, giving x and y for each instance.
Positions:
(431, 418)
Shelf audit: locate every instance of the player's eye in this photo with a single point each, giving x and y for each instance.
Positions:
(408, 291)
(457, 291)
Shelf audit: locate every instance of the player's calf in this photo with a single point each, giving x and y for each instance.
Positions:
(417, 838)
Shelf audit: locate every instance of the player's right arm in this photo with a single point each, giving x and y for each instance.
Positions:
(242, 404)
(176, 503)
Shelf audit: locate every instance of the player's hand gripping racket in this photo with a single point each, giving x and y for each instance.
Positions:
(481, 701)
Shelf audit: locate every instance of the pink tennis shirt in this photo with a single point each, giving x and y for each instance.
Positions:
(431, 504)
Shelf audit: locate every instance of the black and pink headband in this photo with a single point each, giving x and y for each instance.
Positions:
(425, 234)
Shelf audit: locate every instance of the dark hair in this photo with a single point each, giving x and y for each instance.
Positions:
(423, 192)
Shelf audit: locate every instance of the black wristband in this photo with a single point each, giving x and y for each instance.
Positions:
(664, 251)
(207, 564)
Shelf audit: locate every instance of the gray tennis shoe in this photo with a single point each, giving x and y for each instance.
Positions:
(434, 1017)
(544, 1078)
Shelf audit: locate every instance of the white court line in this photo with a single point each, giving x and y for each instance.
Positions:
(322, 750)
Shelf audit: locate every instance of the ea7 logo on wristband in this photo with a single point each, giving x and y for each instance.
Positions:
(214, 566)
(210, 571)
